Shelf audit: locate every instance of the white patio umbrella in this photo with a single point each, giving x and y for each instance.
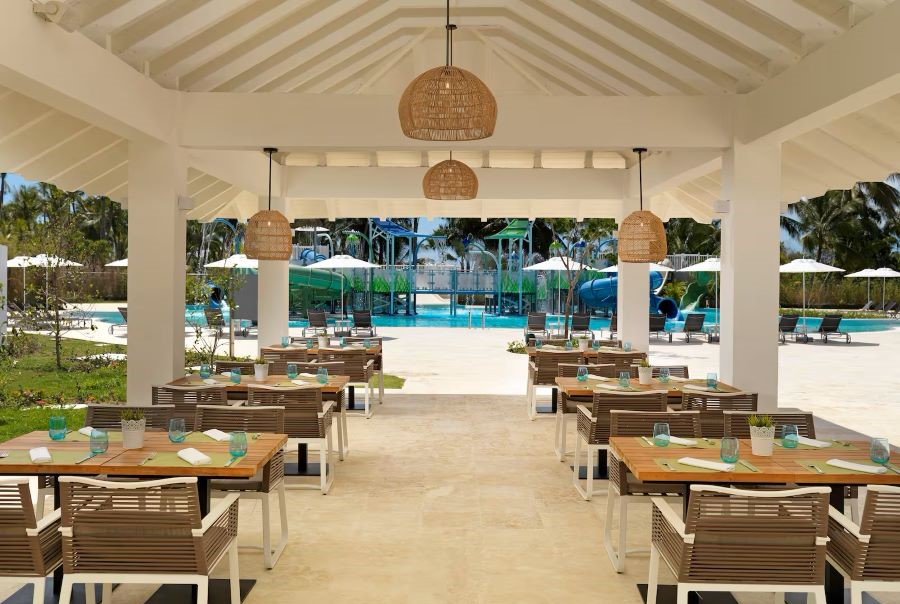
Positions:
(868, 273)
(659, 268)
(234, 261)
(710, 265)
(21, 262)
(122, 262)
(342, 261)
(807, 265)
(885, 273)
(556, 263)
(48, 262)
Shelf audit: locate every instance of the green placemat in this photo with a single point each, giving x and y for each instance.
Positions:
(826, 469)
(613, 387)
(835, 446)
(201, 438)
(170, 458)
(701, 444)
(673, 461)
(59, 456)
(196, 380)
(78, 437)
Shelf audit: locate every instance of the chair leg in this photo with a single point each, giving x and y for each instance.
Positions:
(346, 437)
(558, 435)
(282, 510)
(590, 473)
(38, 597)
(681, 595)
(203, 587)
(653, 577)
(340, 435)
(368, 409)
(623, 534)
(820, 594)
(381, 386)
(234, 574)
(607, 530)
(106, 594)
(266, 530)
(576, 481)
(65, 593)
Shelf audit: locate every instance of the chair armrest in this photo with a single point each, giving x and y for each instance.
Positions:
(847, 524)
(532, 368)
(370, 363)
(222, 507)
(670, 517)
(586, 412)
(45, 523)
(326, 409)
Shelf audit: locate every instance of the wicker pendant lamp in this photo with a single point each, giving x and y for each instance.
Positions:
(642, 236)
(450, 179)
(447, 103)
(268, 231)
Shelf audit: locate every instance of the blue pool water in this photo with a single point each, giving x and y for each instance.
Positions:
(439, 316)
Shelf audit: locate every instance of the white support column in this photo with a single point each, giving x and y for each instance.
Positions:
(748, 353)
(633, 307)
(273, 290)
(157, 176)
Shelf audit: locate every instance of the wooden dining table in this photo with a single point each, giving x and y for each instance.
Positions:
(374, 352)
(804, 465)
(156, 459)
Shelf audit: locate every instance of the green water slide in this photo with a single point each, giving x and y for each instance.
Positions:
(695, 290)
(316, 278)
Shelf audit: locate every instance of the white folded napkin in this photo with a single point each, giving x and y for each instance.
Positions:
(226, 373)
(697, 387)
(86, 430)
(707, 464)
(194, 457)
(812, 442)
(682, 441)
(306, 375)
(40, 455)
(610, 387)
(303, 384)
(599, 378)
(210, 382)
(856, 467)
(675, 378)
(551, 347)
(216, 434)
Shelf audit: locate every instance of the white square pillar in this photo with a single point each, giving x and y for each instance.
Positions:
(273, 294)
(157, 176)
(751, 233)
(633, 306)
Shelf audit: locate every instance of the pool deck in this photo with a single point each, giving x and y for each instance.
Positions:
(855, 384)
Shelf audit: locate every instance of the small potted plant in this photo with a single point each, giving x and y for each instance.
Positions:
(762, 434)
(323, 342)
(134, 424)
(584, 344)
(260, 369)
(645, 372)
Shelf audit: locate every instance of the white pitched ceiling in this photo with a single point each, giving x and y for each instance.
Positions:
(583, 47)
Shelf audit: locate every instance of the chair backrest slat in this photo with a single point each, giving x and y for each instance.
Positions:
(109, 417)
(879, 559)
(548, 361)
(301, 408)
(711, 406)
(735, 423)
(354, 360)
(676, 370)
(184, 400)
(246, 367)
(21, 555)
(246, 418)
(694, 322)
(605, 402)
(685, 424)
(571, 370)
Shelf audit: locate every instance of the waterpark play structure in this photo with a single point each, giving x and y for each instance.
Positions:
(489, 274)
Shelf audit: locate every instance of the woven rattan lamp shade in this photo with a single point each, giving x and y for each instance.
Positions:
(450, 179)
(642, 238)
(268, 236)
(447, 103)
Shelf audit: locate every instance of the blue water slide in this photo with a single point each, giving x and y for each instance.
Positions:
(309, 256)
(602, 293)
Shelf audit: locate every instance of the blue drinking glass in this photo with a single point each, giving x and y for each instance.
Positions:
(343, 341)
(177, 430)
(789, 436)
(661, 434)
(57, 427)
(538, 344)
(664, 375)
(205, 371)
(367, 343)
(712, 380)
(582, 373)
(595, 344)
(322, 375)
(310, 343)
(880, 450)
(626, 346)
(729, 449)
(235, 376)
(624, 379)
(237, 443)
(99, 441)
(292, 371)
(568, 344)
(285, 341)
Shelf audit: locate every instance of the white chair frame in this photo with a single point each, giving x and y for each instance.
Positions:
(270, 554)
(586, 492)
(326, 478)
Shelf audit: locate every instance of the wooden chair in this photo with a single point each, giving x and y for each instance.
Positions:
(867, 554)
(362, 321)
(623, 486)
(565, 409)
(246, 367)
(735, 423)
(624, 361)
(543, 370)
(307, 419)
(318, 323)
(334, 368)
(144, 532)
(712, 406)
(185, 399)
(676, 370)
(109, 417)
(30, 548)
(278, 358)
(357, 365)
(268, 482)
(741, 541)
(693, 325)
(594, 425)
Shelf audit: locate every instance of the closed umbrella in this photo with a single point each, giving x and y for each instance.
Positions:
(885, 273)
(807, 265)
(710, 265)
(21, 262)
(342, 261)
(868, 273)
(123, 262)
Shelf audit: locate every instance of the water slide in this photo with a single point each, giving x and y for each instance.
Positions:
(309, 256)
(600, 293)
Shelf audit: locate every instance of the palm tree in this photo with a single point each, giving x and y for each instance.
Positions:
(687, 236)
(2, 191)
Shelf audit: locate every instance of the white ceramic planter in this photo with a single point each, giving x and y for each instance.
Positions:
(762, 440)
(133, 433)
(645, 375)
(583, 344)
(323, 342)
(261, 372)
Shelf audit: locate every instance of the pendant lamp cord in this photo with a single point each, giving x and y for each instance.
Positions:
(640, 153)
(270, 178)
(449, 27)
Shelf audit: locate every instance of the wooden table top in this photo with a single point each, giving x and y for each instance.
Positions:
(573, 388)
(784, 466)
(118, 461)
(336, 383)
(374, 349)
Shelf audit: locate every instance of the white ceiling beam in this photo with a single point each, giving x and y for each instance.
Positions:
(323, 121)
(389, 64)
(855, 70)
(406, 183)
(70, 73)
(670, 169)
(248, 170)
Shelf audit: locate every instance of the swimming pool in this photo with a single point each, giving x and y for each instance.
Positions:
(439, 316)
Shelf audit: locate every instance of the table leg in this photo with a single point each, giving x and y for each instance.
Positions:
(351, 397)
(601, 471)
(303, 467)
(554, 399)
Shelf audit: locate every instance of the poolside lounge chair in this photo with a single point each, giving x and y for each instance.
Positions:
(613, 326)
(892, 312)
(693, 325)
(581, 325)
(657, 324)
(318, 323)
(787, 326)
(868, 305)
(362, 321)
(123, 310)
(889, 308)
(830, 327)
(537, 326)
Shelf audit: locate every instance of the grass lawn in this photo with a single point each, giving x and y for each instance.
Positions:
(14, 422)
